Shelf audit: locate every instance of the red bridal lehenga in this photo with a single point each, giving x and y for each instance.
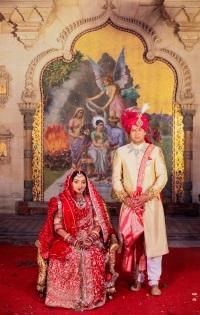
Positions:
(77, 279)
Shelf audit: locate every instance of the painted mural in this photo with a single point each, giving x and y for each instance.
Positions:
(84, 99)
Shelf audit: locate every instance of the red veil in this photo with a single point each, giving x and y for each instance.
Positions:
(53, 246)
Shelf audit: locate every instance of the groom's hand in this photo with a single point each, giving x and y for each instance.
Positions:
(127, 201)
(141, 200)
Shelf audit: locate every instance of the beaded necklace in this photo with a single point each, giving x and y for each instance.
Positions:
(80, 202)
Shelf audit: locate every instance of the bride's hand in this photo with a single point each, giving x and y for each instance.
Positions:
(86, 244)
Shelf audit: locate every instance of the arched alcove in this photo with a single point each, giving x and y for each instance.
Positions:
(69, 37)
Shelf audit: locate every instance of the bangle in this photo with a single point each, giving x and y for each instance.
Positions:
(66, 236)
(89, 239)
(94, 236)
(94, 231)
(77, 243)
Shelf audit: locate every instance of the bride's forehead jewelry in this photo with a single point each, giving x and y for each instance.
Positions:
(79, 173)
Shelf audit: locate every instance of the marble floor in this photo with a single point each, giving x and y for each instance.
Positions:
(182, 231)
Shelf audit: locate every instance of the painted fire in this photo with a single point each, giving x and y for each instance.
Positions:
(55, 139)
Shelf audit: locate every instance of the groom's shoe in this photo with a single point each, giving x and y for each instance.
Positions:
(136, 286)
(155, 290)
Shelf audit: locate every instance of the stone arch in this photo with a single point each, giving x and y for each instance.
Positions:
(31, 95)
(72, 32)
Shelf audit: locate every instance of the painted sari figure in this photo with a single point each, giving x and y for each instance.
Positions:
(75, 137)
(98, 150)
(74, 239)
(112, 85)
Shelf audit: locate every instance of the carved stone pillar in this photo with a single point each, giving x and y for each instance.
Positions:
(28, 110)
(188, 114)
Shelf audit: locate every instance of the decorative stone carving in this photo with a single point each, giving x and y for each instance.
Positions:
(109, 16)
(70, 28)
(188, 121)
(67, 55)
(29, 94)
(181, 15)
(185, 95)
(28, 33)
(5, 137)
(147, 34)
(28, 18)
(28, 110)
(109, 4)
(5, 89)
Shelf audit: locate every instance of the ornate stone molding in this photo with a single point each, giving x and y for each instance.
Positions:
(68, 37)
(185, 95)
(146, 33)
(32, 83)
(181, 15)
(5, 89)
(84, 24)
(27, 108)
(72, 32)
(148, 3)
(28, 18)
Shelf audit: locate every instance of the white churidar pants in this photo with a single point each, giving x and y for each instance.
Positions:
(154, 270)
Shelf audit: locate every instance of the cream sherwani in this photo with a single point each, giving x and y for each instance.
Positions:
(124, 181)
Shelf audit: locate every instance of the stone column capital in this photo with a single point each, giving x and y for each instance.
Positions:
(188, 111)
(28, 110)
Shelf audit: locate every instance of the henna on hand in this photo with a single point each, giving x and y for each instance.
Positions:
(71, 240)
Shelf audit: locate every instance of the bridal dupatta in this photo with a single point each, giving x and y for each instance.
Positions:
(131, 225)
(77, 278)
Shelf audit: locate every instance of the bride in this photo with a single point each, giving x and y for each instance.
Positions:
(74, 239)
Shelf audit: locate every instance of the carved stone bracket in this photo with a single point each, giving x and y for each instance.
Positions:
(28, 18)
(181, 16)
(5, 89)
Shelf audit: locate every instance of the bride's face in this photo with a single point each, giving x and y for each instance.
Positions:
(79, 184)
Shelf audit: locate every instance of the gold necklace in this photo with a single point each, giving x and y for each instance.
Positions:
(80, 202)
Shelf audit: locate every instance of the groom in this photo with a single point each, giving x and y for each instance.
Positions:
(138, 177)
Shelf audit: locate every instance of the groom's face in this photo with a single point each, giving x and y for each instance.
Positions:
(137, 135)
